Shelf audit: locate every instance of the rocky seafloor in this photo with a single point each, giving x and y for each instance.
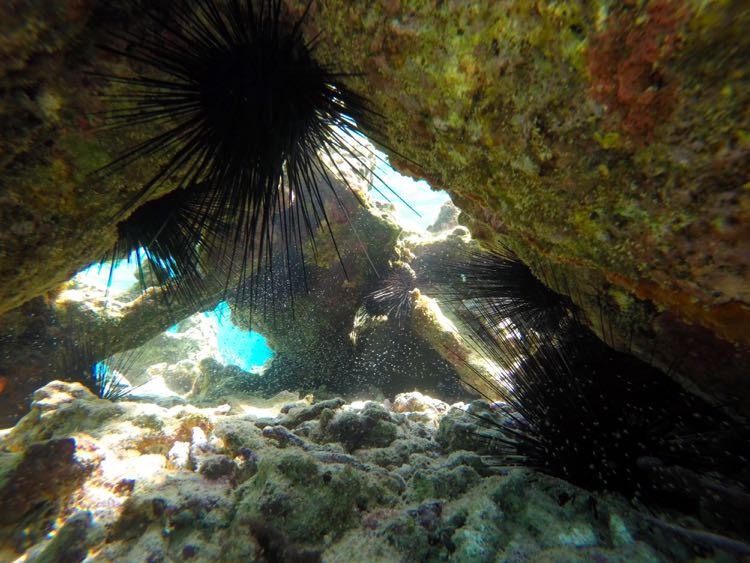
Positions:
(289, 479)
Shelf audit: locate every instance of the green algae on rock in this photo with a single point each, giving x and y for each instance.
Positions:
(616, 169)
(624, 170)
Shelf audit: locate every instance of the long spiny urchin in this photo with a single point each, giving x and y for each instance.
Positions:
(239, 106)
(576, 408)
(161, 235)
(503, 283)
(87, 358)
(393, 296)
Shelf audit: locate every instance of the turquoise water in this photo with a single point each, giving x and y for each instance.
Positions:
(124, 275)
(242, 348)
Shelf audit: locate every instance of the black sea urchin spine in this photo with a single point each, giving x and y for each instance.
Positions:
(576, 408)
(240, 106)
(393, 297)
(589, 414)
(164, 233)
(504, 284)
(86, 358)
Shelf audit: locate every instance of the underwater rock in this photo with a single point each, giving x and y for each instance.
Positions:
(509, 518)
(216, 381)
(284, 437)
(446, 483)
(240, 435)
(179, 455)
(370, 427)
(70, 544)
(148, 482)
(403, 453)
(458, 429)
(57, 409)
(179, 377)
(601, 141)
(420, 408)
(415, 401)
(46, 96)
(216, 467)
(447, 218)
(307, 500)
(45, 473)
(296, 415)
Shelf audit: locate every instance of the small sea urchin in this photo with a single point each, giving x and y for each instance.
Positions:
(393, 296)
(86, 358)
(245, 119)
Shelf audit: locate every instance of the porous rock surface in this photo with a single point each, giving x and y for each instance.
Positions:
(606, 142)
(133, 481)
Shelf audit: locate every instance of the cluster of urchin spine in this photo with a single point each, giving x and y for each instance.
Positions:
(574, 407)
(246, 124)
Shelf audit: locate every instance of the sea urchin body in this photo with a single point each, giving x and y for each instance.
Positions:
(241, 107)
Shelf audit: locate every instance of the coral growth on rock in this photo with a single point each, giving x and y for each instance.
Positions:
(619, 168)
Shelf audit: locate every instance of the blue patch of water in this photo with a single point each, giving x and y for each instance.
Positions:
(243, 348)
(124, 273)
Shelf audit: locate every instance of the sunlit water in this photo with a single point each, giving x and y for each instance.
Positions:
(424, 201)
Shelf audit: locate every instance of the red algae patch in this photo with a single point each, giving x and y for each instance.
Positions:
(626, 64)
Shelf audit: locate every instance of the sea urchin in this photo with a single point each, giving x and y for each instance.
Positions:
(87, 358)
(574, 407)
(504, 284)
(239, 106)
(393, 297)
